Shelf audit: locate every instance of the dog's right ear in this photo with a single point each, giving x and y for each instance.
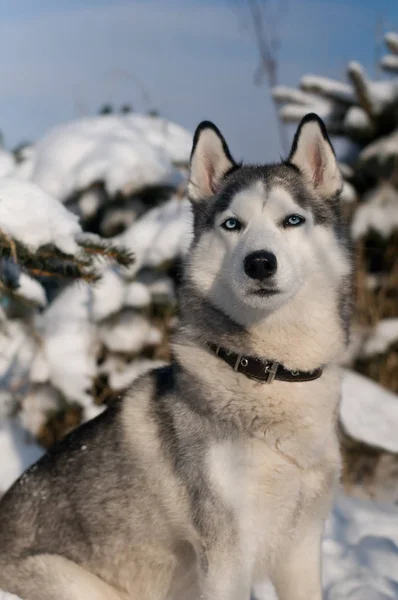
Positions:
(210, 161)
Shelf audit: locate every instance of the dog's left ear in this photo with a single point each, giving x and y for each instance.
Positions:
(210, 161)
(312, 153)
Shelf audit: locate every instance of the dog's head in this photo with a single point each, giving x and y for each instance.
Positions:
(261, 233)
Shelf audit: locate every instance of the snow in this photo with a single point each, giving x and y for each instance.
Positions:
(89, 203)
(368, 412)
(384, 335)
(295, 112)
(381, 150)
(7, 163)
(359, 551)
(34, 218)
(378, 212)
(297, 103)
(160, 235)
(126, 152)
(137, 295)
(122, 374)
(6, 596)
(17, 452)
(389, 63)
(391, 40)
(330, 88)
(281, 94)
(31, 290)
(68, 349)
(380, 95)
(356, 119)
(17, 349)
(36, 405)
(113, 292)
(108, 295)
(129, 333)
(348, 193)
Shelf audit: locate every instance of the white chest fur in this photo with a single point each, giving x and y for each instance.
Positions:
(269, 496)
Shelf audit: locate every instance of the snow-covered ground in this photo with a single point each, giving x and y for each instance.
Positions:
(360, 553)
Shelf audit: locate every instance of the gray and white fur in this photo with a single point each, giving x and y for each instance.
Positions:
(201, 482)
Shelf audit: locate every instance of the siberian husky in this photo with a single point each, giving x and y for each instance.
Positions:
(218, 471)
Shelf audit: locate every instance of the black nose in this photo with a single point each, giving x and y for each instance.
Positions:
(260, 265)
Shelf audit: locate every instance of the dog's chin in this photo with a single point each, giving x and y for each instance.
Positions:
(264, 298)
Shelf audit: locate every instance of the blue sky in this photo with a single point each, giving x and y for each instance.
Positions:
(190, 59)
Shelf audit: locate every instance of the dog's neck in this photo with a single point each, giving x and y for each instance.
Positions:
(305, 333)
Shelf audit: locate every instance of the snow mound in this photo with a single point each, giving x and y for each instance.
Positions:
(33, 218)
(126, 152)
(361, 551)
(160, 235)
(368, 412)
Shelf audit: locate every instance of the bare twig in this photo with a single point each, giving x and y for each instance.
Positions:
(266, 26)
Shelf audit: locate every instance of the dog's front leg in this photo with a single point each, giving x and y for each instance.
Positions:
(297, 574)
(224, 575)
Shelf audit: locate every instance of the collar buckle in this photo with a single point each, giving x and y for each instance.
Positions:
(271, 370)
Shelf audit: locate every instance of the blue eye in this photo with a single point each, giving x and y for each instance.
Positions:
(293, 221)
(232, 224)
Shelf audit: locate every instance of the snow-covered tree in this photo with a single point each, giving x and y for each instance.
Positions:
(92, 222)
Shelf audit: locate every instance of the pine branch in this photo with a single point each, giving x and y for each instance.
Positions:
(361, 86)
(103, 248)
(50, 262)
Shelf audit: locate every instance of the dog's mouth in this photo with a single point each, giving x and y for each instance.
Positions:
(264, 292)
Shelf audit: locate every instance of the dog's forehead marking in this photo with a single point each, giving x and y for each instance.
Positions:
(258, 199)
(280, 201)
(249, 201)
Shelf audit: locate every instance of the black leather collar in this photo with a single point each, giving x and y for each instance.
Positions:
(262, 370)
